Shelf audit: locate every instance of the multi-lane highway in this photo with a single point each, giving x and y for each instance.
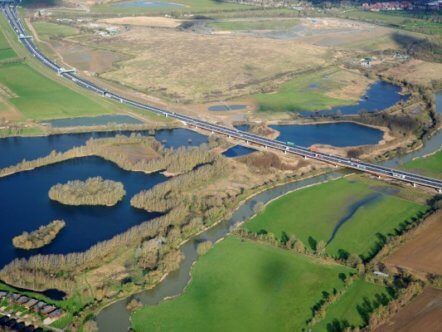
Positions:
(245, 137)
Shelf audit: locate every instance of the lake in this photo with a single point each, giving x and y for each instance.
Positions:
(221, 108)
(85, 225)
(15, 149)
(379, 96)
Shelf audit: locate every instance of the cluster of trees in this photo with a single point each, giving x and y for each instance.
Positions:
(52, 158)
(203, 247)
(40, 237)
(171, 160)
(170, 194)
(93, 191)
(41, 272)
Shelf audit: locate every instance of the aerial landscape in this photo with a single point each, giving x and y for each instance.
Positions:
(220, 165)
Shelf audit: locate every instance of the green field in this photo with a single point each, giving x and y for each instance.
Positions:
(399, 19)
(311, 214)
(6, 51)
(40, 98)
(354, 306)
(47, 30)
(275, 24)
(430, 166)
(189, 6)
(244, 286)
(304, 93)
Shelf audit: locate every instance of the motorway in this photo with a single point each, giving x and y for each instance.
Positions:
(246, 137)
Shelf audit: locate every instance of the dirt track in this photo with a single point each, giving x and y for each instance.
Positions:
(424, 313)
(423, 252)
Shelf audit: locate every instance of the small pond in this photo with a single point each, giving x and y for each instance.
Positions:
(221, 108)
(238, 151)
(93, 121)
(147, 4)
(379, 96)
(15, 149)
(341, 134)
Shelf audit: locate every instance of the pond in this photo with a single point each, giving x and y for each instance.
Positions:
(238, 151)
(147, 4)
(15, 149)
(341, 134)
(379, 96)
(93, 121)
(221, 108)
(85, 225)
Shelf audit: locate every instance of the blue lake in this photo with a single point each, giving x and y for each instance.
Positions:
(221, 108)
(340, 134)
(93, 121)
(379, 96)
(85, 226)
(238, 151)
(147, 4)
(15, 149)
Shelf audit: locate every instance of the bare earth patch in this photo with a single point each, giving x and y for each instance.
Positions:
(185, 66)
(423, 252)
(422, 314)
(148, 21)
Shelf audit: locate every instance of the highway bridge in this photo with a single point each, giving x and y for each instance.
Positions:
(248, 138)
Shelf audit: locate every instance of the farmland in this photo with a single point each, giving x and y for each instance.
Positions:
(244, 286)
(40, 98)
(367, 213)
(421, 253)
(354, 307)
(422, 314)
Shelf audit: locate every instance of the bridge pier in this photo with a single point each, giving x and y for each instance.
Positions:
(414, 185)
(305, 157)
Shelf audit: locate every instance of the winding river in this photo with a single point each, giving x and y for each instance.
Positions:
(116, 317)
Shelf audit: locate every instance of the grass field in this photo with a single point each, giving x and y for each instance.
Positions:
(307, 92)
(40, 98)
(243, 286)
(354, 306)
(6, 51)
(365, 208)
(275, 24)
(402, 20)
(430, 166)
(189, 6)
(47, 30)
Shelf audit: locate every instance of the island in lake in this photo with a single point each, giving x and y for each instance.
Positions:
(93, 191)
(39, 238)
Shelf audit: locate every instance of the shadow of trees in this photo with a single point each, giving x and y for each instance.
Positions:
(421, 48)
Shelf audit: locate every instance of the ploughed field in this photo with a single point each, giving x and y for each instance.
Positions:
(351, 215)
(240, 285)
(422, 252)
(423, 313)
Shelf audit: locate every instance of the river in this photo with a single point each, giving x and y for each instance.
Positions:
(116, 317)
